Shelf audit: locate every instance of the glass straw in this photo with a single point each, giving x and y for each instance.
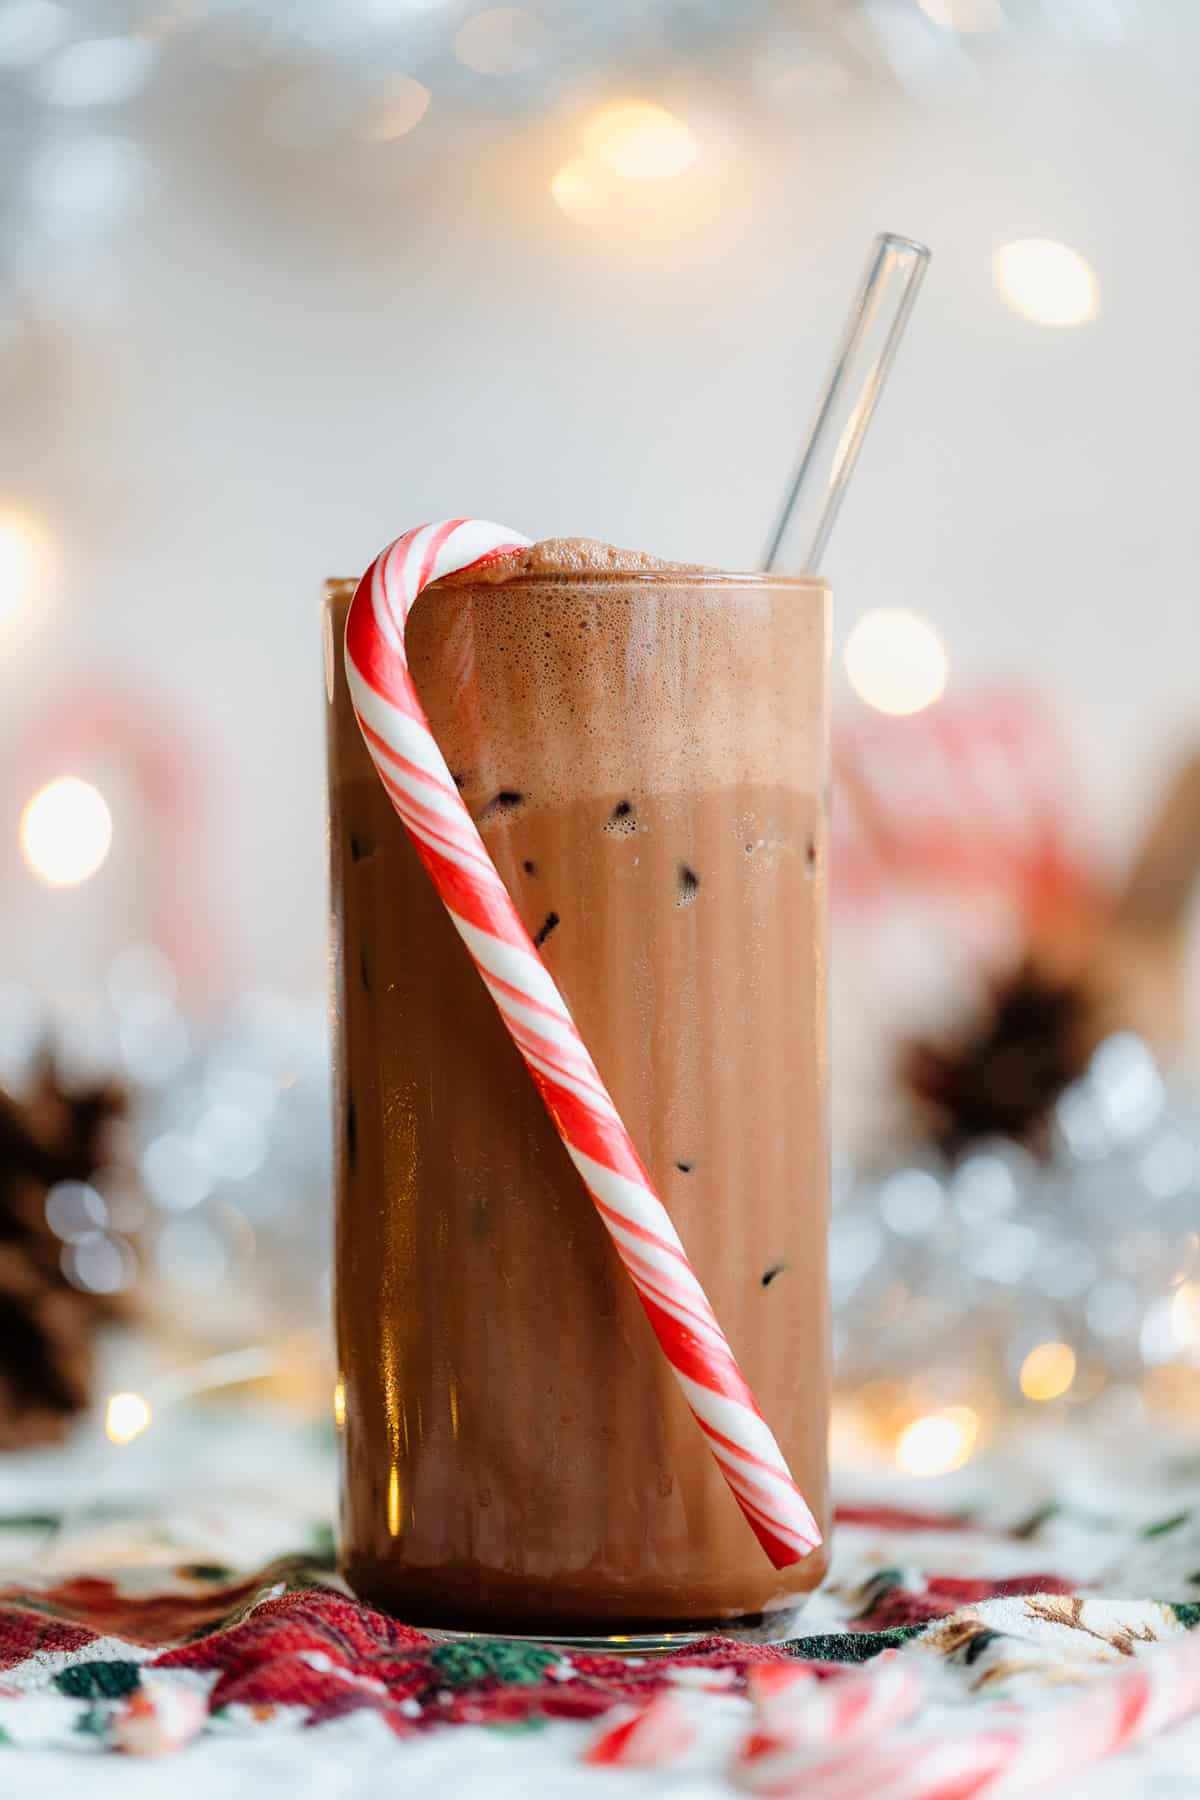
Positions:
(873, 331)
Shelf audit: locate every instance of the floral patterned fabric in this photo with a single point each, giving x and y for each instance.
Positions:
(132, 1627)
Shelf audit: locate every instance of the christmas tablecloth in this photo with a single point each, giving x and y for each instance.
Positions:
(179, 1597)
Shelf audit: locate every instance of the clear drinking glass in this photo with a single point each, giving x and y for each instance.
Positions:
(646, 755)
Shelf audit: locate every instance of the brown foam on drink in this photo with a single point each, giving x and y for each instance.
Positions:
(625, 686)
(570, 558)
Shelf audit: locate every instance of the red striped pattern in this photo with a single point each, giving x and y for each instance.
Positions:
(843, 1712)
(835, 1739)
(656, 1733)
(412, 769)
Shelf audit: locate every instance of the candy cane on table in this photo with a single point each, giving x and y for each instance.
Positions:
(1116, 1711)
(840, 1712)
(1012, 1750)
(921, 1768)
(645, 1737)
(423, 792)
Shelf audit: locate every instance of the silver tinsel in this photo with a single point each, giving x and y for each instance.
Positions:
(220, 1204)
(947, 1271)
(962, 1268)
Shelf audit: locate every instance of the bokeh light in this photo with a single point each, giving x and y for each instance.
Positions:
(895, 661)
(503, 40)
(639, 141)
(399, 110)
(176, 1175)
(1185, 1315)
(23, 558)
(938, 1442)
(66, 831)
(29, 29)
(74, 1210)
(966, 16)
(99, 1263)
(1047, 282)
(126, 1417)
(84, 186)
(1048, 1371)
(580, 189)
(99, 71)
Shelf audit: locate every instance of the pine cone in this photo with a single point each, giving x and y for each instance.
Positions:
(46, 1325)
(45, 1353)
(1005, 1079)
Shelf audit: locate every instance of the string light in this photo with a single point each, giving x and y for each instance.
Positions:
(639, 141)
(66, 831)
(1048, 1371)
(339, 1404)
(504, 40)
(126, 1417)
(938, 1442)
(896, 662)
(1047, 282)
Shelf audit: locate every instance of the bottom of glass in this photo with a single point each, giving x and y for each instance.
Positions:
(757, 1628)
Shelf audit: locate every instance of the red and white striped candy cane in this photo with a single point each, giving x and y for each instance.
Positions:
(920, 1768)
(1112, 1714)
(1002, 1752)
(839, 1713)
(414, 772)
(656, 1733)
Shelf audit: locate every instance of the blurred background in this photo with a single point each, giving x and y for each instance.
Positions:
(277, 280)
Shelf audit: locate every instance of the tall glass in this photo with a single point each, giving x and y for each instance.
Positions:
(646, 755)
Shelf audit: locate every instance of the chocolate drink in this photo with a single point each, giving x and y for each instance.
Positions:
(643, 747)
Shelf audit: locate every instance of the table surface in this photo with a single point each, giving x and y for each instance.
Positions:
(1114, 1523)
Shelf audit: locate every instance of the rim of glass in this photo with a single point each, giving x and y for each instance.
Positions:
(754, 578)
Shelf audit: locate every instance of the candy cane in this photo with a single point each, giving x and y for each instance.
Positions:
(1006, 1750)
(648, 1737)
(1120, 1709)
(798, 1713)
(414, 772)
(925, 1768)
